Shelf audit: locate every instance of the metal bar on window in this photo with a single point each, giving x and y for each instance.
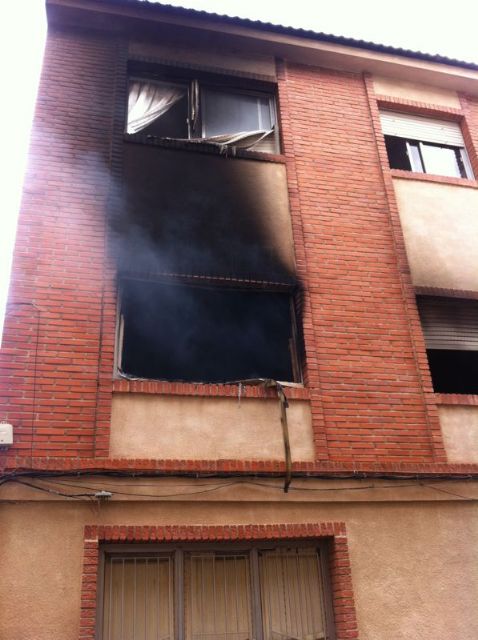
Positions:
(257, 612)
(179, 593)
(272, 594)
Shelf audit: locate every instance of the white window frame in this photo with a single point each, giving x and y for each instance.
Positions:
(418, 130)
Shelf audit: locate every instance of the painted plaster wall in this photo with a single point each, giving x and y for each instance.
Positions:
(414, 91)
(198, 428)
(209, 56)
(414, 566)
(440, 225)
(459, 427)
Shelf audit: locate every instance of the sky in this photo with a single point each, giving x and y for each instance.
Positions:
(430, 26)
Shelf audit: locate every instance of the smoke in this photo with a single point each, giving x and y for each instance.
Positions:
(190, 213)
(186, 213)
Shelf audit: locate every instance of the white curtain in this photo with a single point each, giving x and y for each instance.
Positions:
(148, 101)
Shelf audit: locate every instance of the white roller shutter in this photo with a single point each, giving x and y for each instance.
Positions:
(449, 323)
(414, 127)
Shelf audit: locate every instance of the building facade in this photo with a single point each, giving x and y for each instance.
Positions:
(240, 356)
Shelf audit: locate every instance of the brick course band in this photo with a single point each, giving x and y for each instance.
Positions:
(339, 562)
(208, 390)
(236, 467)
(420, 108)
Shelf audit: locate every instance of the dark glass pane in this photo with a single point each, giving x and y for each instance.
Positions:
(173, 123)
(200, 334)
(397, 153)
(233, 113)
(453, 371)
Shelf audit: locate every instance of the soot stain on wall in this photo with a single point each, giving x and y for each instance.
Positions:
(193, 213)
(188, 213)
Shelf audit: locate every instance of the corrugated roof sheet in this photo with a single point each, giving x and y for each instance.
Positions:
(293, 31)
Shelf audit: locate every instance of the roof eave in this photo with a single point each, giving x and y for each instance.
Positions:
(297, 45)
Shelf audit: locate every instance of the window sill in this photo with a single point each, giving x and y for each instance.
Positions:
(159, 387)
(427, 177)
(456, 399)
(203, 147)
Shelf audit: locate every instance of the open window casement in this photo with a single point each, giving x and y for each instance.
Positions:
(157, 108)
(450, 329)
(191, 111)
(425, 145)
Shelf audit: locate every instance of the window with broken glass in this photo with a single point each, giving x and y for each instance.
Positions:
(202, 110)
(195, 330)
(221, 594)
(207, 285)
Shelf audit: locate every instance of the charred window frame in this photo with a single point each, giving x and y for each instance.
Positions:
(270, 591)
(206, 330)
(450, 328)
(211, 108)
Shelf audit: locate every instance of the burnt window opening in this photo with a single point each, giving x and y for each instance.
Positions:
(453, 371)
(450, 327)
(425, 145)
(206, 333)
(203, 109)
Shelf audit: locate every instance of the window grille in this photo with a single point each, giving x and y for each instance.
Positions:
(257, 594)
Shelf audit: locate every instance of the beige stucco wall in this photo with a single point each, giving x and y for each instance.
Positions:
(414, 566)
(413, 91)
(208, 56)
(201, 428)
(440, 225)
(459, 427)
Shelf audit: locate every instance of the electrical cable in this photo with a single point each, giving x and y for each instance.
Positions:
(137, 495)
(236, 483)
(457, 495)
(57, 493)
(221, 486)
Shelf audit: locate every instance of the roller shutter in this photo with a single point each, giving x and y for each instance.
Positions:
(414, 127)
(449, 323)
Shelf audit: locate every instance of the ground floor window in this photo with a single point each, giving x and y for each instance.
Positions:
(216, 594)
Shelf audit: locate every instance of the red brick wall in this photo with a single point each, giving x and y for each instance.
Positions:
(365, 364)
(49, 359)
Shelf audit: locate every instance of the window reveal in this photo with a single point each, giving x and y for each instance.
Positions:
(196, 111)
(205, 333)
(267, 594)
